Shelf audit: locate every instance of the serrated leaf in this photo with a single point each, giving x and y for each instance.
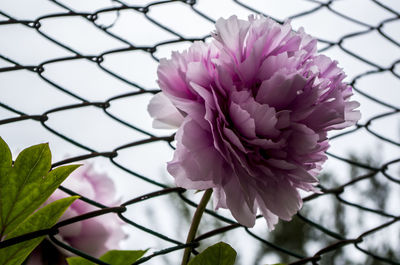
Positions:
(44, 218)
(218, 254)
(79, 261)
(113, 257)
(5, 155)
(122, 257)
(31, 164)
(26, 185)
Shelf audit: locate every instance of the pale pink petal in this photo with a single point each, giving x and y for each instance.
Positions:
(303, 140)
(258, 103)
(195, 161)
(92, 238)
(95, 235)
(219, 198)
(236, 203)
(73, 229)
(198, 74)
(282, 199)
(231, 33)
(265, 118)
(242, 121)
(279, 91)
(164, 113)
(171, 79)
(270, 218)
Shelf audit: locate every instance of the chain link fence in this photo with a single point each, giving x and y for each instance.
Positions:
(81, 75)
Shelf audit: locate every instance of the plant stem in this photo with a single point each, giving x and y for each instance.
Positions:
(195, 224)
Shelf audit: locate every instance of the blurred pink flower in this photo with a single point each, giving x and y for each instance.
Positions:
(253, 109)
(94, 236)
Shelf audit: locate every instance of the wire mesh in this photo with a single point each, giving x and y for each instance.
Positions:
(104, 20)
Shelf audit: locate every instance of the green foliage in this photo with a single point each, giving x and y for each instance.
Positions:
(27, 184)
(113, 257)
(79, 261)
(218, 254)
(117, 257)
(44, 218)
(24, 186)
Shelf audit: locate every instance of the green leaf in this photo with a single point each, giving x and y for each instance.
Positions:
(5, 155)
(113, 257)
(218, 254)
(26, 185)
(44, 218)
(79, 261)
(121, 257)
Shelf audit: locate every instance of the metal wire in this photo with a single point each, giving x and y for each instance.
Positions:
(366, 172)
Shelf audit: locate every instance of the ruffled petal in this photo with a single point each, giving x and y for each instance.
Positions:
(236, 203)
(270, 218)
(231, 33)
(282, 199)
(242, 121)
(257, 104)
(280, 90)
(196, 163)
(164, 113)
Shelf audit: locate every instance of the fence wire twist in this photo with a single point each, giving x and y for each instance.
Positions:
(368, 171)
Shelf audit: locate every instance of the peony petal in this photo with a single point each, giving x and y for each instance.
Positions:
(224, 81)
(234, 139)
(195, 161)
(257, 104)
(303, 176)
(103, 186)
(281, 164)
(282, 199)
(280, 90)
(276, 63)
(219, 198)
(266, 121)
(205, 94)
(95, 235)
(92, 238)
(327, 114)
(283, 117)
(303, 140)
(237, 204)
(73, 229)
(198, 74)
(172, 80)
(231, 33)
(242, 121)
(242, 98)
(267, 143)
(270, 218)
(327, 67)
(165, 114)
(351, 116)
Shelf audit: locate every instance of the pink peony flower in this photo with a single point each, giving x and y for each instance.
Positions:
(253, 109)
(94, 236)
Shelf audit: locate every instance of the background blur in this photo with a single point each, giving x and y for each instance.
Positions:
(79, 75)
